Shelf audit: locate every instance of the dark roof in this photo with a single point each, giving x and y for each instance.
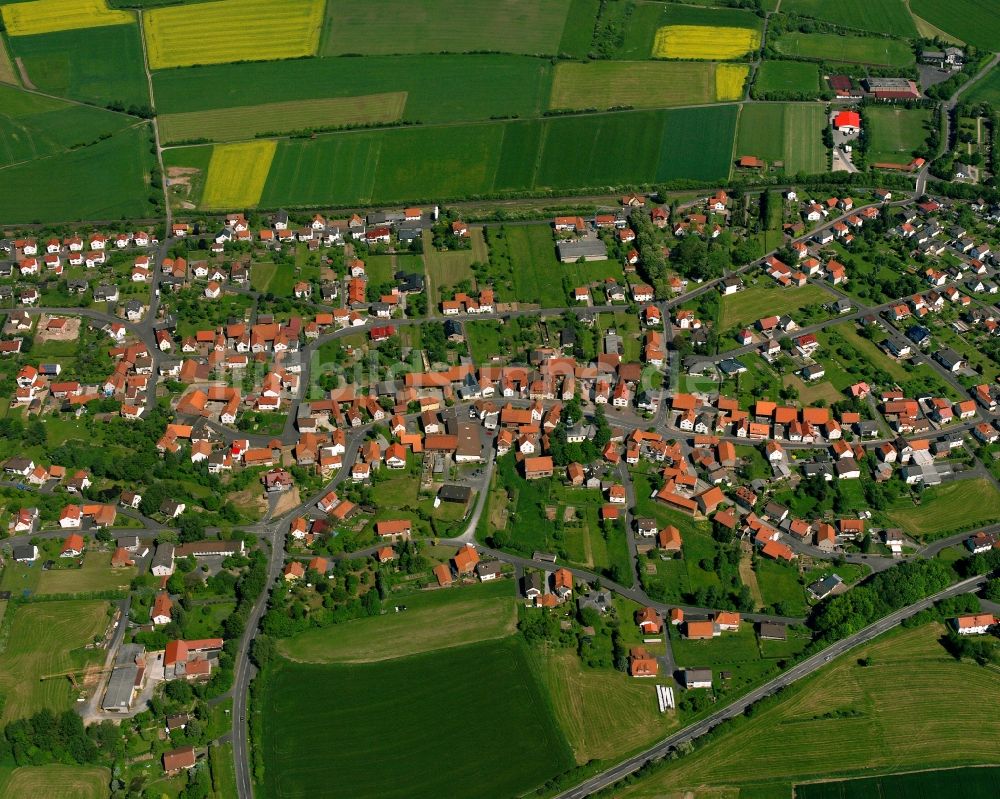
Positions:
(454, 493)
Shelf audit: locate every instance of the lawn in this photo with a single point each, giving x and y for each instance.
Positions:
(54, 781)
(968, 783)
(870, 350)
(46, 638)
(786, 76)
(245, 122)
(232, 30)
(237, 174)
(896, 132)
(433, 620)
(749, 305)
(879, 16)
(779, 582)
(95, 575)
(848, 49)
(47, 16)
(788, 132)
(389, 730)
(971, 21)
(854, 715)
(640, 84)
(446, 269)
(949, 508)
(533, 27)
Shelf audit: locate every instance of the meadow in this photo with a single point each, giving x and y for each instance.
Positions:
(704, 42)
(237, 173)
(45, 638)
(232, 30)
(969, 783)
(640, 84)
(949, 507)
(107, 180)
(894, 134)
(63, 63)
(847, 49)
(786, 76)
(854, 714)
(95, 575)
(439, 88)
(447, 268)
(986, 90)
(433, 620)
(32, 126)
(749, 305)
(533, 27)
(879, 16)
(54, 781)
(390, 729)
(46, 16)
(231, 124)
(971, 21)
(787, 132)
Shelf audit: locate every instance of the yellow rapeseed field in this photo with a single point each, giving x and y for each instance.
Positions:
(704, 41)
(729, 81)
(232, 30)
(237, 173)
(46, 16)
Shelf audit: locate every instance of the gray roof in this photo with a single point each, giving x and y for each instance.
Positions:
(164, 556)
(582, 248)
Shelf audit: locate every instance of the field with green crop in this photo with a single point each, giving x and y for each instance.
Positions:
(786, 76)
(787, 132)
(578, 31)
(46, 638)
(392, 729)
(970, 20)
(947, 508)
(880, 16)
(533, 27)
(751, 304)
(895, 133)
(853, 714)
(640, 84)
(439, 88)
(968, 783)
(67, 63)
(33, 126)
(54, 781)
(105, 181)
(849, 49)
(433, 620)
(986, 90)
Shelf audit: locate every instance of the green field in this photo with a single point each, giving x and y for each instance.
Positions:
(749, 305)
(533, 27)
(392, 729)
(849, 49)
(896, 133)
(912, 686)
(96, 575)
(646, 19)
(54, 781)
(786, 76)
(46, 638)
(649, 84)
(949, 508)
(579, 29)
(986, 90)
(107, 180)
(967, 783)
(880, 16)
(67, 63)
(33, 126)
(447, 268)
(788, 132)
(433, 620)
(970, 20)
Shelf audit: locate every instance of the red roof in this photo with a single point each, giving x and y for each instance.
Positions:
(847, 119)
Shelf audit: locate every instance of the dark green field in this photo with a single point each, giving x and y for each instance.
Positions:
(786, 76)
(105, 181)
(97, 65)
(880, 16)
(986, 90)
(960, 783)
(972, 21)
(446, 88)
(579, 30)
(470, 721)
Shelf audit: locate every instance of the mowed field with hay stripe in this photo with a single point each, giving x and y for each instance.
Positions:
(708, 42)
(245, 122)
(7, 73)
(641, 84)
(232, 30)
(237, 174)
(55, 781)
(46, 16)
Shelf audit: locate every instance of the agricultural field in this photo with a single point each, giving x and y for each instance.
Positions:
(237, 173)
(33, 126)
(54, 781)
(948, 508)
(972, 782)
(704, 42)
(63, 63)
(730, 81)
(640, 84)
(95, 575)
(578, 32)
(788, 132)
(786, 76)
(107, 180)
(438, 88)
(532, 27)
(7, 72)
(749, 305)
(433, 620)
(987, 89)
(878, 16)
(246, 122)
(896, 133)
(846, 49)
(46, 638)
(348, 708)
(47, 16)
(970, 20)
(232, 30)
